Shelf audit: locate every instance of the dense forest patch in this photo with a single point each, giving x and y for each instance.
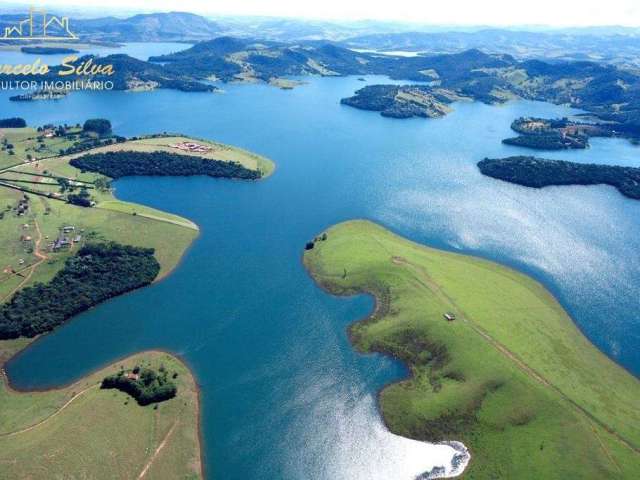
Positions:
(538, 173)
(96, 273)
(14, 122)
(129, 163)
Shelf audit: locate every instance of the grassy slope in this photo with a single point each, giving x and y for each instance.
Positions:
(170, 240)
(512, 377)
(24, 142)
(101, 433)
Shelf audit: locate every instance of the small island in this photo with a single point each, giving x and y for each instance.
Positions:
(538, 173)
(556, 134)
(405, 101)
(493, 359)
(44, 50)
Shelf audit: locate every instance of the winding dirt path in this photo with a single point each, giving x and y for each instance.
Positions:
(41, 258)
(54, 414)
(157, 451)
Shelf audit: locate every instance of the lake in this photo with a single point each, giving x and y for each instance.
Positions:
(284, 395)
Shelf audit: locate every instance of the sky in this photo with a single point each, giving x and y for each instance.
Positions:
(438, 12)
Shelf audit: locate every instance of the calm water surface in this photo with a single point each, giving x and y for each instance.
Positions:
(138, 50)
(284, 394)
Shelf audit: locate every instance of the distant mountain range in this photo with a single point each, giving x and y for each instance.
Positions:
(606, 90)
(576, 44)
(618, 45)
(174, 26)
(153, 27)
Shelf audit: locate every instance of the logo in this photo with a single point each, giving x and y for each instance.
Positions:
(39, 26)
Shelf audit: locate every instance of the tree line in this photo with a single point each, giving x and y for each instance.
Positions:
(130, 163)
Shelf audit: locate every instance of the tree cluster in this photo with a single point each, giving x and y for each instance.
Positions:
(145, 385)
(14, 122)
(96, 273)
(129, 163)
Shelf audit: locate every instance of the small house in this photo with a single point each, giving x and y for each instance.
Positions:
(450, 317)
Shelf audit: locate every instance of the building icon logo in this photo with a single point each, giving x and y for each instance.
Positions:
(39, 26)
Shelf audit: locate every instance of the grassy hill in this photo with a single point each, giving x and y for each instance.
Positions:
(511, 377)
(82, 431)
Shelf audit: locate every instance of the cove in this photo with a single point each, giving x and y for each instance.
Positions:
(284, 395)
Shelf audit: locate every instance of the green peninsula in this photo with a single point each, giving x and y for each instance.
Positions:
(68, 244)
(538, 173)
(495, 361)
(86, 431)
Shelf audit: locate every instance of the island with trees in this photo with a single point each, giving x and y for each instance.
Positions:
(45, 50)
(402, 101)
(557, 134)
(538, 173)
(482, 370)
(607, 92)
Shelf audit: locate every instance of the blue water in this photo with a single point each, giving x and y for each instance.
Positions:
(137, 50)
(284, 395)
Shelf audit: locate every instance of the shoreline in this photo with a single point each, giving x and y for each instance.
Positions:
(198, 391)
(539, 288)
(30, 342)
(409, 374)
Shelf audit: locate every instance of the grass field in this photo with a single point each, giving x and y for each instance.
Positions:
(511, 376)
(168, 234)
(24, 141)
(81, 431)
